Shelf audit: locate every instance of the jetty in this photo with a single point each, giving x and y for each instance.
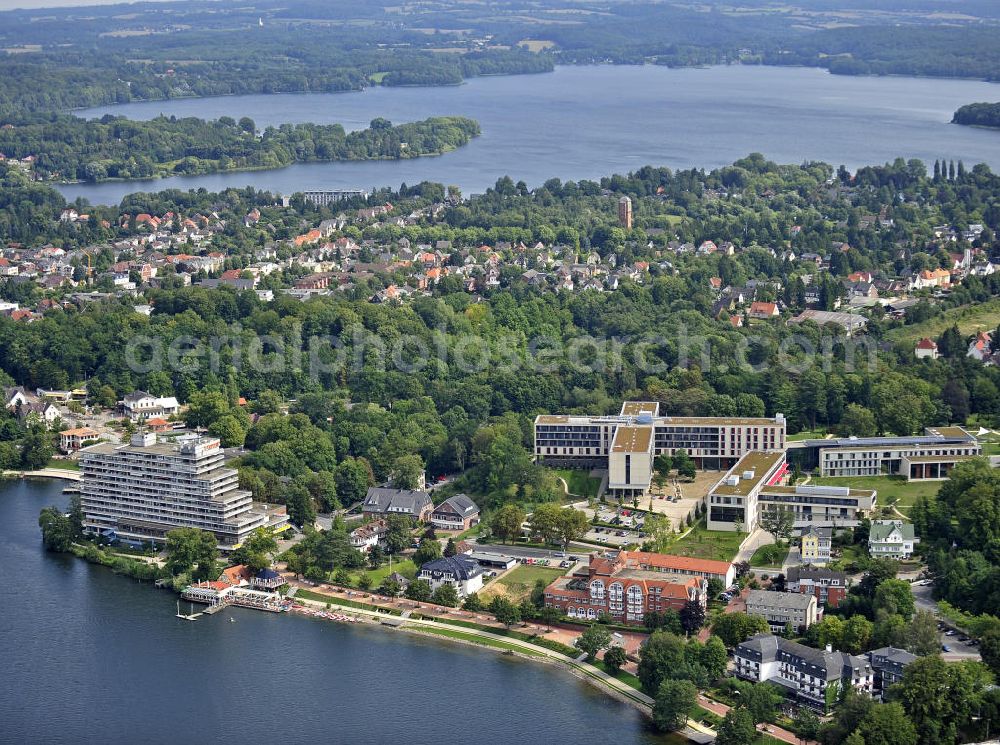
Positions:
(217, 595)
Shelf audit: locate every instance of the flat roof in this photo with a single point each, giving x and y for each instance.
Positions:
(782, 489)
(634, 408)
(868, 443)
(709, 421)
(626, 418)
(936, 458)
(760, 462)
(632, 440)
(948, 432)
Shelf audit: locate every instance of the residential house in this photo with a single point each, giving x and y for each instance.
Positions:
(926, 349)
(814, 677)
(891, 539)
(763, 311)
(43, 412)
(73, 439)
(456, 513)
(385, 501)
(888, 665)
(140, 405)
(980, 346)
(783, 609)
(369, 535)
(14, 397)
(829, 587)
(460, 571)
(815, 542)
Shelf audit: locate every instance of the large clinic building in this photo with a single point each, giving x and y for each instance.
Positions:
(756, 484)
(628, 443)
(926, 457)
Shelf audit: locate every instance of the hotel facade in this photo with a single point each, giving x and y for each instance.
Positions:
(625, 585)
(141, 491)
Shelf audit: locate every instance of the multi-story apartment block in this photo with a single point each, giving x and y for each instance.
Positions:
(815, 544)
(928, 457)
(813, 677)
(891, 539)
(713, 442)
(782, 609)
(626, 585)
(141, 491)
(827, 586)
(754, 485)
(332, 196)
(888, 664)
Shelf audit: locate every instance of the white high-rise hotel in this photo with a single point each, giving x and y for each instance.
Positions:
(143, 490)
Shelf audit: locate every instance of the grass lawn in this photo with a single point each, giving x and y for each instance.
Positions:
(482, 641)
(623, 675)
(519, 582)
(969, 318)
(404, 567)
(66, 465)
(771, 555)
(889, 487)
(807, 434)
(701, 543)
(377, 77)
(579, 481)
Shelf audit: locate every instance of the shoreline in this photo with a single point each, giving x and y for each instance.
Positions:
(44, 473)
(405, 624)
(689, 733)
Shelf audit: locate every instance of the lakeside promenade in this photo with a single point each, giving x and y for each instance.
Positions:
(45, 473)
(400, 611)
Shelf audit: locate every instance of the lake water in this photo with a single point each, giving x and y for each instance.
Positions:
(91, 657)
(587, 122)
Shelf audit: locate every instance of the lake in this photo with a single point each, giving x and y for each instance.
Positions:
(92, 657)
(588, 122)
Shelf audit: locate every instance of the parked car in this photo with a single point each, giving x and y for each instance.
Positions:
(945, 648)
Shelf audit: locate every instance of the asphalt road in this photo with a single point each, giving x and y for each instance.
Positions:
(923, 600)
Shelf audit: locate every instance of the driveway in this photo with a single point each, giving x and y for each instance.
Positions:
(758, 538)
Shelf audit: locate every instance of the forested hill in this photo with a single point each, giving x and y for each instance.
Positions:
(69, 148)
(978, 115)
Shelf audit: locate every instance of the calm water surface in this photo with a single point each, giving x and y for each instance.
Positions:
(587, 122)
(91, 657)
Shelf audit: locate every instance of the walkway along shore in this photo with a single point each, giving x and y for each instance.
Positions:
(45, 473)
(583, 670)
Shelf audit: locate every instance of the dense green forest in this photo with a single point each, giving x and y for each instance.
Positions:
(978, 115)
(935, 51)
(68, 148)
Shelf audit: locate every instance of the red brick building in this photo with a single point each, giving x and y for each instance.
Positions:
(829, 586)
(626, 585)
